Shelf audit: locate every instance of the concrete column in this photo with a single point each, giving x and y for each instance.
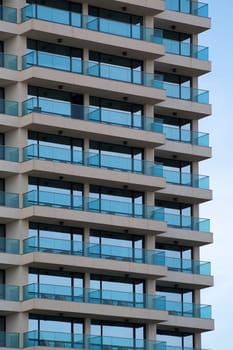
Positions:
(86, 234)
(197, 341)
(85, 9)
(17, 322)
(151, 330)
(195, 210)
(196, 253)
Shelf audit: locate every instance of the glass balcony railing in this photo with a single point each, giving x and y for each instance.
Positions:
(118, 253)
(91, 68)
(195, 8)
(94, 205)
(113, 163)
(186, 222)
(9, 108)
(9, 153)
(188, 309)
(185, 49)
(94, 114)
(92, 159)
(188, 266)
(95, 342)
(98, 24)
(105, 206)
(9, 340)
(8, 245)
(186, 93)
(9, 199)
(93, 250)
(8, 14)
(9, 292)
(8, 61)
(94, 296)
(187, 136)
(186, 179)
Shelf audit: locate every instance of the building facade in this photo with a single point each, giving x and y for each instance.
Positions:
(99, 174)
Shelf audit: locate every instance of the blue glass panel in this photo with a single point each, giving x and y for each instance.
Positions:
(9, 199)
(8, 245)
(8, 14)
(9, 340)
(9, 153)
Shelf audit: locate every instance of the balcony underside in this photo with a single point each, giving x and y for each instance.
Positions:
(184, 194)
(97, 131)
(95, 220)
(93, 265)
(183, 22)
(94, 40)
(186, 237)
(95, 311)
(183, 151)
(92, 175)
(186, 66)
(112, 89)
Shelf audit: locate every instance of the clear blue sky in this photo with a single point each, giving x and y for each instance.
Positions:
(220, 168)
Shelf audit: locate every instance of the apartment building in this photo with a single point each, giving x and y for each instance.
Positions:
(99, 174)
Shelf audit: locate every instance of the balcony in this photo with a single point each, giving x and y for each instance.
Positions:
(9, 199)
(186, 179)
(10, 154)
(8, 245)
(81, 341)
(118, 253)
(92, 23)
(185, 49)
(9, 108)
(91, 68)
(94, 114)
(188, 266)
(186, 93)
(102, 297)
(187, 136)
(9, 340)
(185, 222)
(92, 250)
(188, 310)
(8, 292)
(189, 7)
(65, 201)
(59, 154)
(8, 61)
(90, 159)
(8, 14)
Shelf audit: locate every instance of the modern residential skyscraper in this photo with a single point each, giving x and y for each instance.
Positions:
(99, 174)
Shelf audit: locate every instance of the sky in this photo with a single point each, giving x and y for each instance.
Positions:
(220, 169)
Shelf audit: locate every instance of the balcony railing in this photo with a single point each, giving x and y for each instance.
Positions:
(186, 93)
(188, 266)
(8, 292)
(9, 199)
(9, 153)
(185, 49)
(173, 133)
(94, 296)
(9, 108)
(104, 206)
(186, 179)
(94, 114)
(9, 340)
(8, 61)
(8, 245)
(195, 8)
(8, 14)
(114, 163)
(92, 159)
(94, 205)
(95, 342)
(93, 23)
(91, 68)
(188, 309)
(118, 253)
